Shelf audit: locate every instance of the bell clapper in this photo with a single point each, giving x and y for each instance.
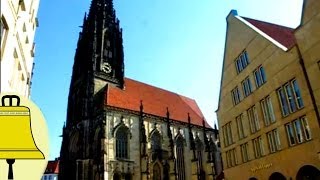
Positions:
(10, 173)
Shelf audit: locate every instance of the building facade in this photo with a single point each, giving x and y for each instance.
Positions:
(119, 128)
(267, 116)
(308, 42)
(18, 25)
(52, 170)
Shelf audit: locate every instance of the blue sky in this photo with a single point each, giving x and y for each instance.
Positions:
(177, 45)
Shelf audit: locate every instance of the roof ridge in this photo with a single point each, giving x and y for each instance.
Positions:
(281, 36)
(266, 22)
(159, 88)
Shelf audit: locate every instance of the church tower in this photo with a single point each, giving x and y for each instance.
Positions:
(98, 62)
(98, 59)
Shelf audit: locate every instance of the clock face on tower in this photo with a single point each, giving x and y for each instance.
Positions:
(106, 67)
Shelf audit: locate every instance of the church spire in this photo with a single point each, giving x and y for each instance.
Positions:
(98, 60)
(104, 38)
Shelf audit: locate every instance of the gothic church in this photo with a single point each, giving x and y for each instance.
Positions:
(120, 128)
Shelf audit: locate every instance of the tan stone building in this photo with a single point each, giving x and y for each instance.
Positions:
(268, 122)
(308, 41)
(18, 26)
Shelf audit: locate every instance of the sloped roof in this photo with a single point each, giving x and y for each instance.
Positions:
(283, 35)
(155, 101)
(52, 167)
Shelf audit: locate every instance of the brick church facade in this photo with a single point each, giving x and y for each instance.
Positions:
(119, 128)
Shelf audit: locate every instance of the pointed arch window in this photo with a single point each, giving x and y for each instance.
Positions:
(122, 139)
(180, 158)
(199, 149)
(156, 141)
(212, 149)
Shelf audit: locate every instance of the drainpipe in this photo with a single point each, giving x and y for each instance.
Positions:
(304, 70)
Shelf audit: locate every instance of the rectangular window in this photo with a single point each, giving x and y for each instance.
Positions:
(235, 93)
(239, 120)
(297, 93)
(298, 131)
(260, 76)
(267, 111)
(306, 128)
(242, 61)
(290, 97)
(290, 133)
(258, 147)
(227, 159)
(274, 141)
(253, 119)
(244, 152)
(224, 134)
(231, 157)
(227, 133)
(246, 85)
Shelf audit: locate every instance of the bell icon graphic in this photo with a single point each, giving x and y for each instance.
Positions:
(16, 138)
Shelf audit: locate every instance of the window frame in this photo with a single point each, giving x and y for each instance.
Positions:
(290, 126)
(180, 160)
(236, 96)
(253, 119)
(246, 86)
(231, 158)
(298, 130)
(297, 97)
(242, 61)
(267, 111)
(229, 133)
(305, 125)
(274, 141)
(290, 97)
(258, 147)
(244, 152)
(259, 76)
(240, 127)
(122, 145)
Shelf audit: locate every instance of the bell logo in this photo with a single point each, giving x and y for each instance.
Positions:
(19, 137)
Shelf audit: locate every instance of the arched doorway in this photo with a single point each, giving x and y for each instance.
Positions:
(277, 176)
(308, 172)
(253, 178)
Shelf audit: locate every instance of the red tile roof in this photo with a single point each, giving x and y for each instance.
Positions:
(52, 167)
(283, 35)
(155, 101)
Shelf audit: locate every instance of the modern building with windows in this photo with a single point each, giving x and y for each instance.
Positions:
(269, 99)
(18, 25)
(120, 128)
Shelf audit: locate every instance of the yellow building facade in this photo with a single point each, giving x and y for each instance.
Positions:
(268, 123)
(18, 26)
